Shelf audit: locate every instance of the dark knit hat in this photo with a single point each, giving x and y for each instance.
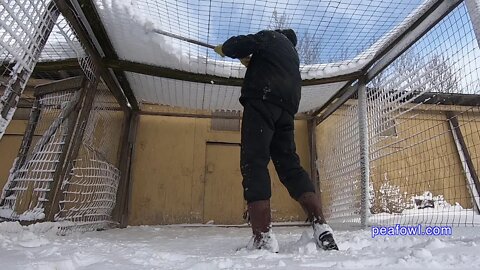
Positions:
(290, 34)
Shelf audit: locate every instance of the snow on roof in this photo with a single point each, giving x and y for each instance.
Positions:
(335, 38)
(338, 50)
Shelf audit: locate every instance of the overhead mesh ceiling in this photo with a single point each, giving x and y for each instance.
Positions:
(328, 31)
(62, 43)
(335, 38)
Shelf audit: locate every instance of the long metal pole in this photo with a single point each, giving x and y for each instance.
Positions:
(364, 151)
(161, 32)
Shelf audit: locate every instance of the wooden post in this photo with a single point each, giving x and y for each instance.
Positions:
(75, 131)
(312, 142)
(68, 12)
(467, 164)
(120, 212)
(29, 133)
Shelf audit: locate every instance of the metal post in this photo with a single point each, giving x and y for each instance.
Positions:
(364, 151)
(473, 8)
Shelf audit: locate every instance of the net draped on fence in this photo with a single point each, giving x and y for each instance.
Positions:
(66, 169)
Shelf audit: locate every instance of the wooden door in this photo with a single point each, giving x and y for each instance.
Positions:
(223, 198)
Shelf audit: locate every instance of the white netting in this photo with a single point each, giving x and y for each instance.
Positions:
(351, 26)
(32, 31)
(339, 165)
(27, 188)
(93, 180)
(213, 97)
(89, 192)
(25, 26)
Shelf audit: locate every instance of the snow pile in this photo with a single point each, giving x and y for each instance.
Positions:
(137, 42)
(426, 209)
(175, 247)
(31, 214)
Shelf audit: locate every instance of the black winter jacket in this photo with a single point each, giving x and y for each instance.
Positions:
(273, 73)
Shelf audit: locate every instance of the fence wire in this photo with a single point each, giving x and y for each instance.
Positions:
(423, 118)
(424, 143)
(91, 187)
(88, 190)
(25, 27)
(338, 150)
(26, 191)
(334, 38)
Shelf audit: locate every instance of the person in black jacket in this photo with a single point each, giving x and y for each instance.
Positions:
(270, 96)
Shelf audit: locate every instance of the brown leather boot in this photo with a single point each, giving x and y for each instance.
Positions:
(322, 233)
(260, 220)
(312, 206)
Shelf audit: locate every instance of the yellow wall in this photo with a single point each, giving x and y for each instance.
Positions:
(9, 145)
(422, 157)
(169, 163)
(168, 171)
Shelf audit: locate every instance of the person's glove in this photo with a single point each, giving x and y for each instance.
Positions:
(245, 61)
(218, 49)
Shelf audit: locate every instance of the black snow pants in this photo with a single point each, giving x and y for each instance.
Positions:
(268, 131)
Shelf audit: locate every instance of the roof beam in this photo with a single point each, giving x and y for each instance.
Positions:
(164, 72)
(347, 93)
(157, 71)
(68, 12)
(100, 37)
(64, 64)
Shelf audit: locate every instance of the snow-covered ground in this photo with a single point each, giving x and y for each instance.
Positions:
(209, 248)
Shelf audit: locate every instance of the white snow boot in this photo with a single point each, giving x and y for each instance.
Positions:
(323, 235)
(260, 220)
(267, 241)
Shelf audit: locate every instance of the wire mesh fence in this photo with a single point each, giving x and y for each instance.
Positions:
(67, 167)
(88, 188)
(422, 110)
(27, 188)
(26, 26)
(338, 150)
(423, 135)
(89, 192)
